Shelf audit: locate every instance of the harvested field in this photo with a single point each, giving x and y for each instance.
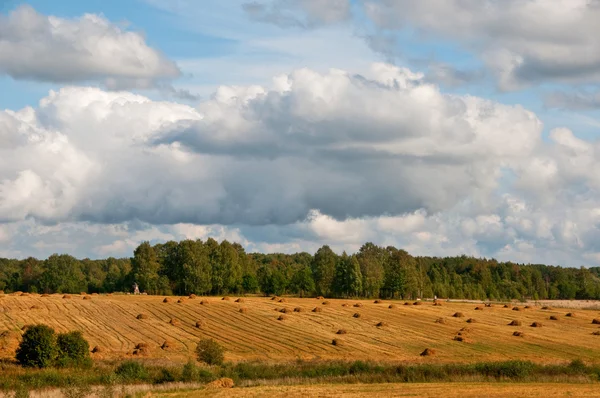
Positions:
(434, 390)
(110, 322)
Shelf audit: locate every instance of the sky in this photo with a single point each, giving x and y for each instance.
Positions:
(441, 127)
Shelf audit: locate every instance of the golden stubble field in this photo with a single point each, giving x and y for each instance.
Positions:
(256, 333)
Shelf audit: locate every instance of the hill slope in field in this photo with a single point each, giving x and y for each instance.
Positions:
(111, 323)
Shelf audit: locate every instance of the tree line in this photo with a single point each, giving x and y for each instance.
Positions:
(213, 268)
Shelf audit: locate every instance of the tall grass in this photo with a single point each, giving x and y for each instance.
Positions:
(13, 378)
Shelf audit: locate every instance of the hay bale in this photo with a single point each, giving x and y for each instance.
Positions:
(141, 351)
(298, 309)
(341, 331)
(181, 300)
(140, 346)
(325, 303)
(204, 302)
(82, 293)
(437, 304)
(320, 298)
(546, 307)
(571, 314)
(358, 305)
(97, 350)
(459, 338)
(518, 334)
(427, 352)
(174, 322)
(345, 305)
(382, 324)
(34, 307)
(515, 323)
(596, 333)
(536, 325)
(167, 300)
(317, 309)
(224, 382)
(142, 316)
(243, 310)
(282, 300)
(489, 305)
(596, 321)
(506, 306)
(337, 342)
(391, 306)
(440, 320)
(25, 294)
(94, 294)
(281, 318)
(517, 309)
(200, 324)
(478, 309)
(87, 297)
(527, 307)
(45, 295)
(418, 303)
(356, 315)
(240, 300)
(458, 315)
(167, 344)
(377, 301)
(272, 298)
(471, 320)
(226, 298)
(67, 296)
(192, 296)
(406, 303)
(553, 318)
(285, 310)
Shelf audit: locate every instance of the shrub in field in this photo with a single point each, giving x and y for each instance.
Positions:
(210, 352)
(132, 371)
(38, 347)
(73, 350)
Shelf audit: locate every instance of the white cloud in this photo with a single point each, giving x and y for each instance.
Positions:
(90, 48)
(317, 158)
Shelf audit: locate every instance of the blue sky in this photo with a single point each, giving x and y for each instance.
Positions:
(461, 116)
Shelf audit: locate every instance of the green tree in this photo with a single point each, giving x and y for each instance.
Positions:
(371, 259)
(73, 350)
(145, 267)
(348, 278)
(38, 347)
(63, 274)
(303, 282)
(210, 352)
(323, 268)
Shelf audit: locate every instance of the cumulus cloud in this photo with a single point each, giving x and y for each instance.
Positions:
(256, 155)
(298, 13)
(523, 42)
(315, 158)
(90, 48)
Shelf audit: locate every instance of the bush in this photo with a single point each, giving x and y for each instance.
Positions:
(38, 348)
(190, 372)
(165, 376)
(73, 350)
(132, 371)
(210, 352)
